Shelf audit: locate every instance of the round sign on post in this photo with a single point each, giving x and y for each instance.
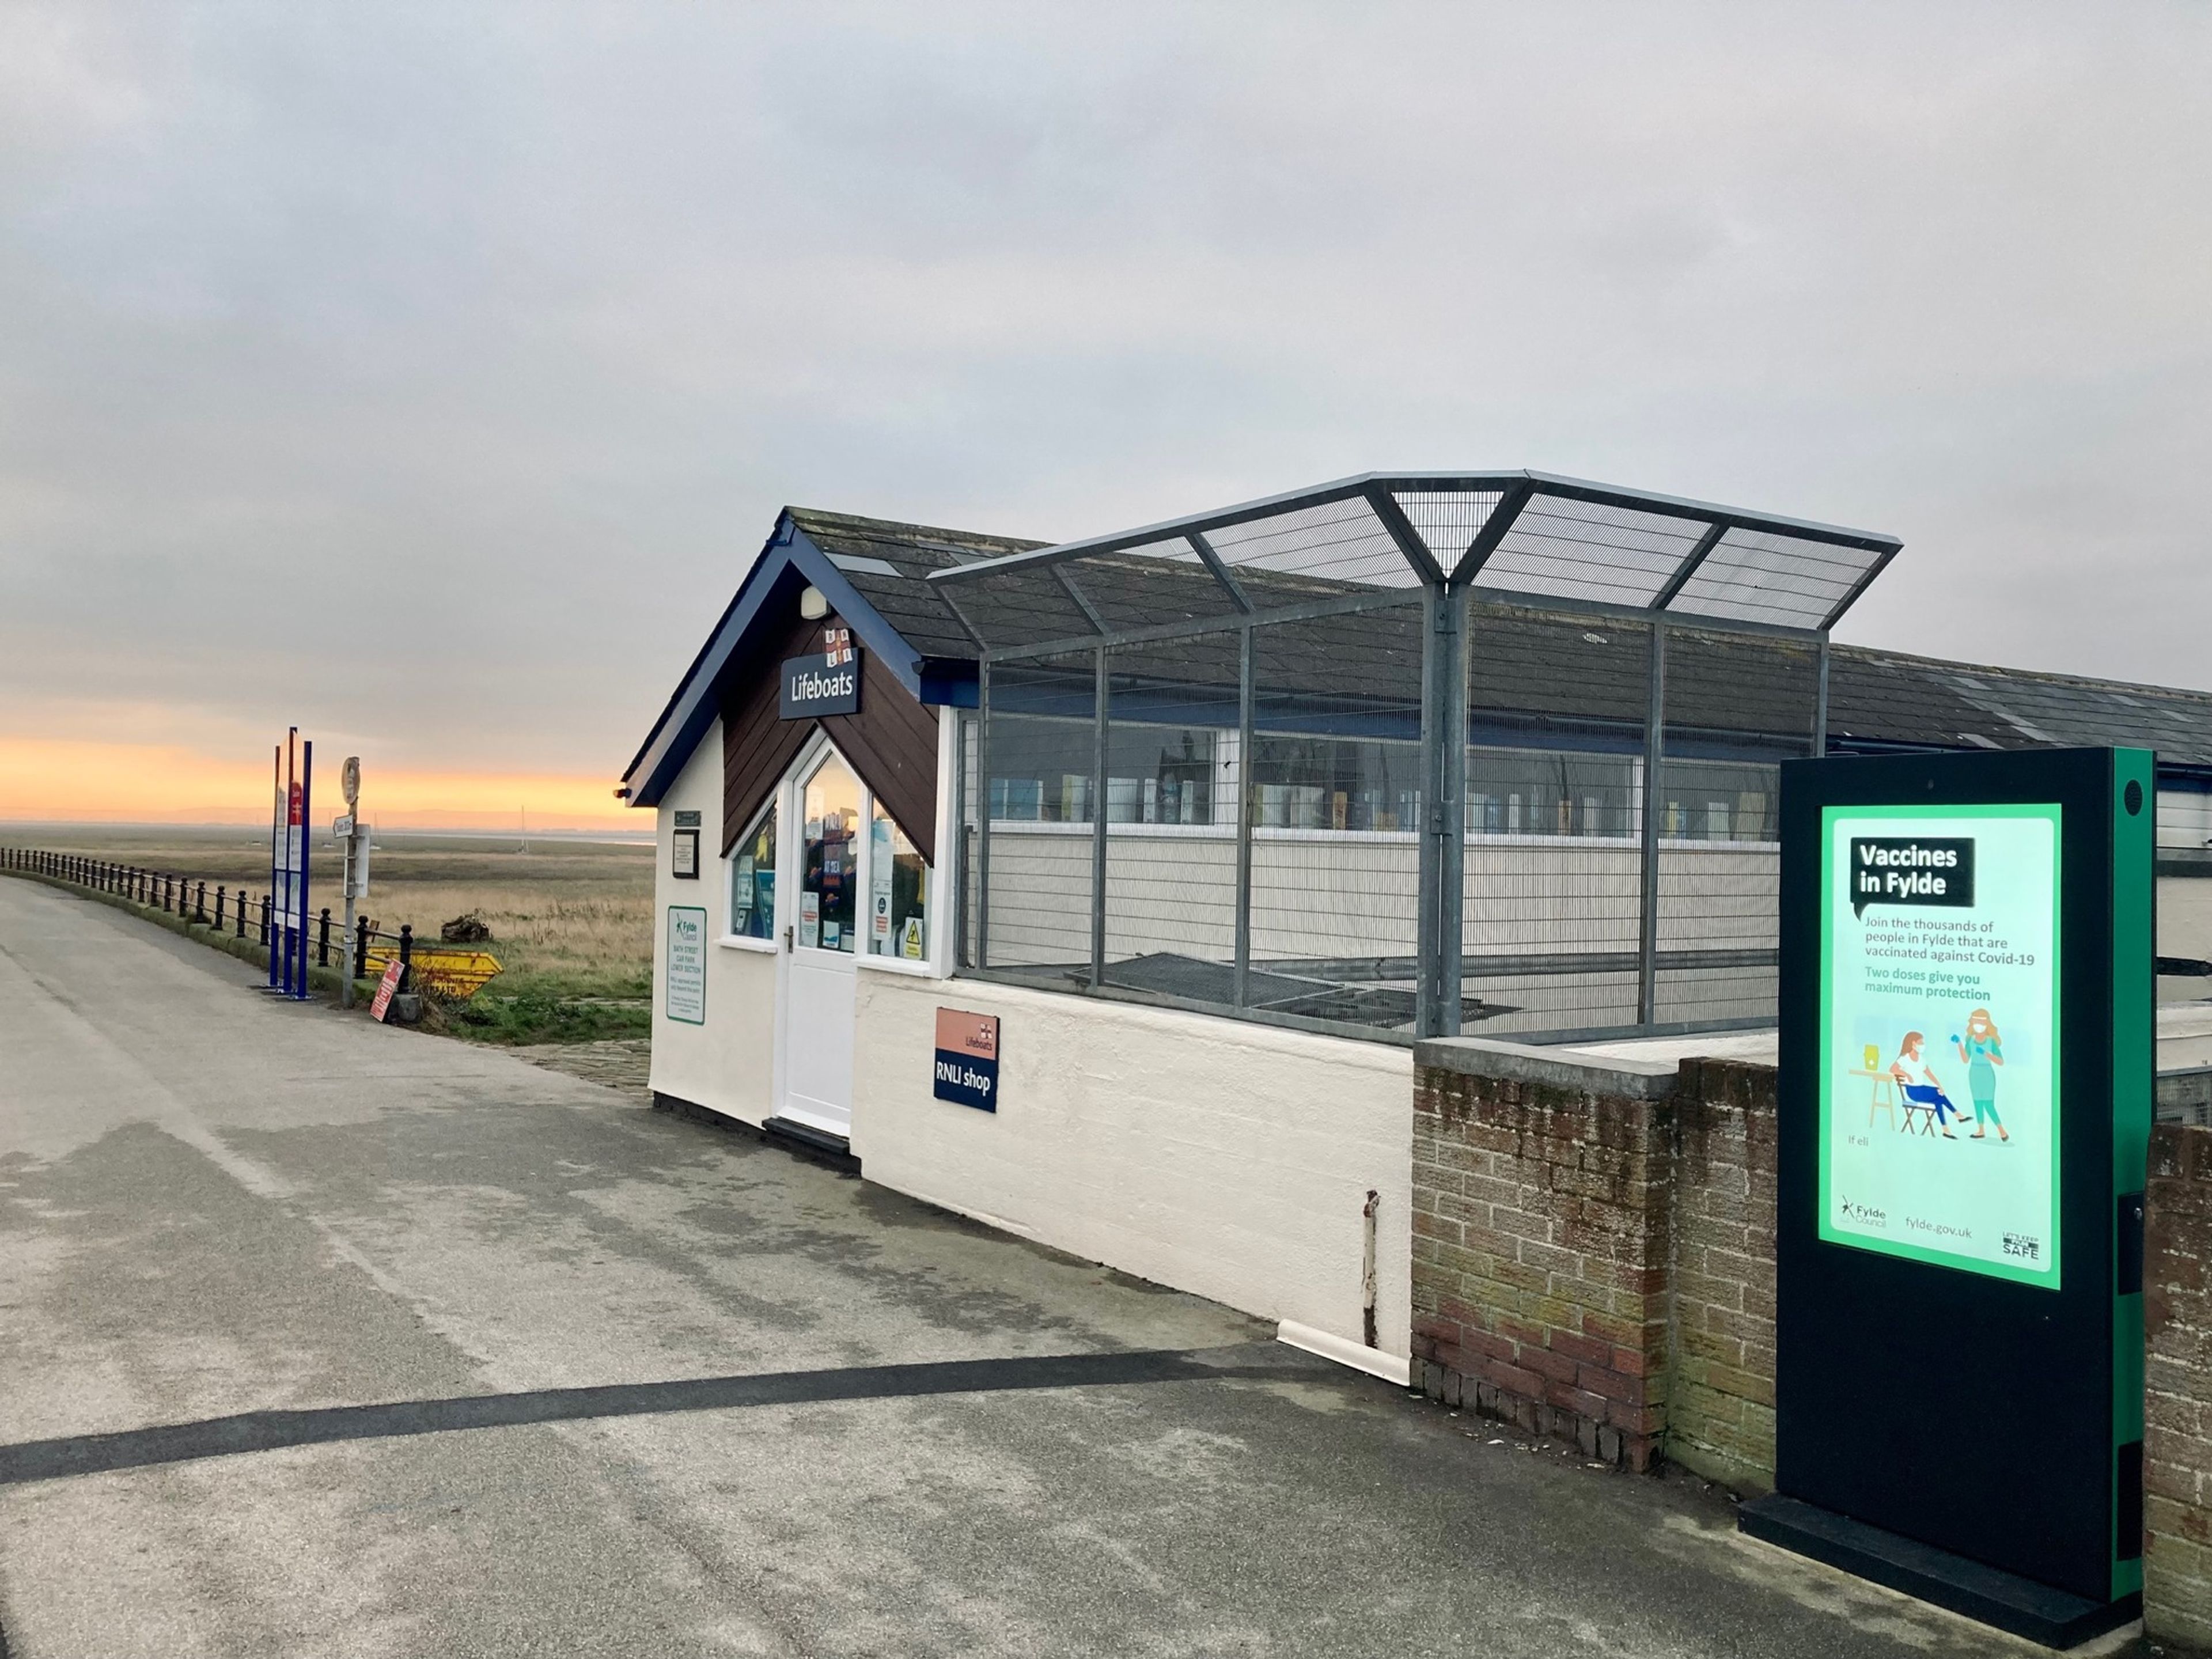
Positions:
(349, 781)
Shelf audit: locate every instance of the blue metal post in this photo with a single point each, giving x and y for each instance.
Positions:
(275, 845)
(307, 819)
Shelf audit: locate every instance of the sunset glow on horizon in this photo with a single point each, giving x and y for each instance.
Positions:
(48, 781)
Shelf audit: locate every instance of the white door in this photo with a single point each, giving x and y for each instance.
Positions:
(820, 937)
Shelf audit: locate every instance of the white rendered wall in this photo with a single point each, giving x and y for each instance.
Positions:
(726, 1065)
(1224, 1158)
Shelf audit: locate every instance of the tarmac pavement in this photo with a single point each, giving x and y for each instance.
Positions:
(322, 1338)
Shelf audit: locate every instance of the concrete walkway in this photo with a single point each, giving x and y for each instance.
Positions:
(539, 1372)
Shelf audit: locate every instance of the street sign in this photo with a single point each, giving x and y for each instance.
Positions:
(342, 827)
(349, 781)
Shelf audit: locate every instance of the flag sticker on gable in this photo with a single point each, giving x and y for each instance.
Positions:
(968, 1059)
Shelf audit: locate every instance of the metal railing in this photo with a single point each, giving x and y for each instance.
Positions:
(237, 912)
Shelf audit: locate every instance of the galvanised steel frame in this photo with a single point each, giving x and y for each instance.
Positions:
(1443, 595)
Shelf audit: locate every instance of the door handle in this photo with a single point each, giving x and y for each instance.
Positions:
(787, 936)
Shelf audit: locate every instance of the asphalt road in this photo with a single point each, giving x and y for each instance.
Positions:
(322, 1338)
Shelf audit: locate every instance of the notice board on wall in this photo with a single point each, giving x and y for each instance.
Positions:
(684, 970)
(1966, 1006)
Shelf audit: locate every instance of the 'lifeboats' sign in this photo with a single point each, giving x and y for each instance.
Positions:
(827, 684)
(968, 1059)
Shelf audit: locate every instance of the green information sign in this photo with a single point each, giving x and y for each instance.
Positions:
(1940, 1032)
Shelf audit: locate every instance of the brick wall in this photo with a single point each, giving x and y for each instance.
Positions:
(1594, 1252)
(2178, 1386)
(1540, 1252)
(1720, 1404)
(1593, 1258)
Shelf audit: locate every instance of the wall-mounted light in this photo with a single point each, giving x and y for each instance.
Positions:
(812, 604)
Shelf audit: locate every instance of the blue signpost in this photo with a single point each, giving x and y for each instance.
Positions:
(287, 867)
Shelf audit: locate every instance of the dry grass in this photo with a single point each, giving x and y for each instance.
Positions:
(570, 920)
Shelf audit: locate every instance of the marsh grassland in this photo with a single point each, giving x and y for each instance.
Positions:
(571, 919)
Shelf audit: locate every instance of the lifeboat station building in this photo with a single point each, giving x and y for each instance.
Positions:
(1101, 891)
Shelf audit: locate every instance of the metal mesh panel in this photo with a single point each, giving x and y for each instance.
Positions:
(1736, 706)
(1157, 585)
(1573, 550)
(1756, 576)
(1552, 923)
(1041, 740)
(1595, 896)
(1341, 541)
(1171, 778)
(1448, 520)
(1336, 800)
(1024, 606)
(1741, 696)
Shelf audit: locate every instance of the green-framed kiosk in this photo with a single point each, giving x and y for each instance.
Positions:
(1966, 1051)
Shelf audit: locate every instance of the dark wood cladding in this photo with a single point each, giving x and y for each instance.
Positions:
(891, 743)
(757, 748)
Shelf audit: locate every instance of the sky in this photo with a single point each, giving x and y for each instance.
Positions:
(427, 377)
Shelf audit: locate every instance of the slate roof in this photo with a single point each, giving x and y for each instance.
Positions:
(1582, 678)
(860, 547)
(1558, 668)
(1885, 696)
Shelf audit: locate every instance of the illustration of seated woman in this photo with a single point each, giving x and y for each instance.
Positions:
(1983, 1051)
(1921, 1086)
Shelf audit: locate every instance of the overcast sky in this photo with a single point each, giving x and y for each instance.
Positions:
(427, 377)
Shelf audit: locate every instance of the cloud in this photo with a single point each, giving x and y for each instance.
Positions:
(429, 374)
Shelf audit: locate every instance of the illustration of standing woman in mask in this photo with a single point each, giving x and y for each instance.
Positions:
(1983, 1051)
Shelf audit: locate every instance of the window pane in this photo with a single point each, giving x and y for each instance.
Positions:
(1531, 792)
(752, 882)
(825, 880)
(898, 898)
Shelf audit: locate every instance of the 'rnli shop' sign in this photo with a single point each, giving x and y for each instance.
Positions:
(827, 684)
(968, 1059)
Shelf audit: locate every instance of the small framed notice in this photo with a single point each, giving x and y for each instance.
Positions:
(968, 1059)
(685, 972)
(683, 855)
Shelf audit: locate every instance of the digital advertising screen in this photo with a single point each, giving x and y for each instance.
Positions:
(1939, 1035)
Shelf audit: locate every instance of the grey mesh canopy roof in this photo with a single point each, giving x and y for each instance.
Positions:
(1511, 535)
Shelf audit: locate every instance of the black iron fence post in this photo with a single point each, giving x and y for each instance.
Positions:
(406, 955)
(242, 912)
(264, 920)
(218, 906)
(200, 905)
(322, 940)
(360, 948)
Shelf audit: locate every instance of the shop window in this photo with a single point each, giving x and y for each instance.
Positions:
(1321, 783)
(898, 892)
(752, 881)
(1160, 774)
(1518, 791)
(1719, 800)
(1041, 770)
(830, 821)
